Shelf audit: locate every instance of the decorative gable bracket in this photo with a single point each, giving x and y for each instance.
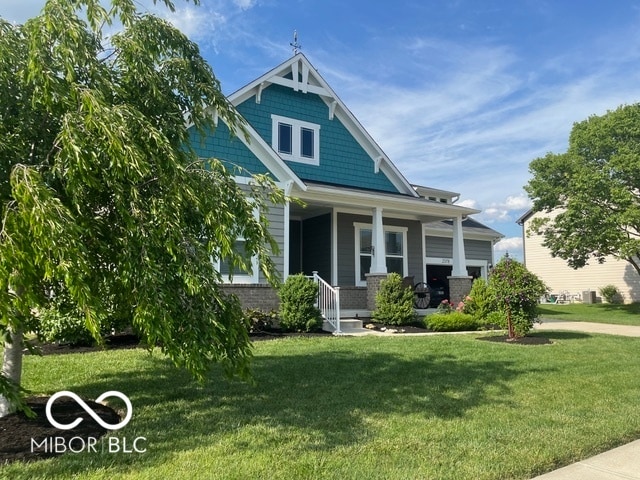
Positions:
(376, 164)
(302, 80)
(332, 109)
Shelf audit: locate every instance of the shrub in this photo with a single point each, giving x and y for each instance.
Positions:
(298, 312)
(450, 322)
(480, 302)
(493, 319)
(64, 327)
(517, 292)
(611, 294)
(394, 302)
(62, 321)
(260, 321)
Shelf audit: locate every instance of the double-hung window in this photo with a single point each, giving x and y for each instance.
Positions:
(295, 140)
(237, 274)
(395, 245)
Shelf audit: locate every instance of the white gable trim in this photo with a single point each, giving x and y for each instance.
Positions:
(313, 82)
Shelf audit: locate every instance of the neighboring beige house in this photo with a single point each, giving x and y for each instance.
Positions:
(562, 279)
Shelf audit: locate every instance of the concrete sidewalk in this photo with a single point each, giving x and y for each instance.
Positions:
(587, 327)
(621, 462)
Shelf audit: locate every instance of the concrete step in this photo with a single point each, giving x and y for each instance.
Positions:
(345, 324)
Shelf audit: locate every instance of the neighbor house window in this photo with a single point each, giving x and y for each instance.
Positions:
(295, 140)
(395, 241)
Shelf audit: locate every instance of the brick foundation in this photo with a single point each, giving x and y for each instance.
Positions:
(353, 298)
(263, 297)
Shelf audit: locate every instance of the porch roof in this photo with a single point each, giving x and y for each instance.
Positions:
(397, 205)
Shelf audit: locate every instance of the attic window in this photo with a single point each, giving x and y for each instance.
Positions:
(285, 138)
(295, 140)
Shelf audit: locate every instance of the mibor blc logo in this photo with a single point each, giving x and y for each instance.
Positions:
(88, 444)
(86, 408)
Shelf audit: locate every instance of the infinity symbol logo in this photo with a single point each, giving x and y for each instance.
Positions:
(79, 401)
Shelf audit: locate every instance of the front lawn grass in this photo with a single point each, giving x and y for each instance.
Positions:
(627, 314)
(440, 407)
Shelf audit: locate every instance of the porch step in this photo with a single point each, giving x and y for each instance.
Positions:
(345, 324)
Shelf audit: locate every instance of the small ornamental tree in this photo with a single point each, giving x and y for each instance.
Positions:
(394, 302)
(517, 292)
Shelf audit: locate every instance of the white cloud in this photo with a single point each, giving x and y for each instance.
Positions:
(507, 210)
(244, 4)
(469, 203)
(509, 244)
(193, 21)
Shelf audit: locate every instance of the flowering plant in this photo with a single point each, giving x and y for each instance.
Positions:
(447, 307)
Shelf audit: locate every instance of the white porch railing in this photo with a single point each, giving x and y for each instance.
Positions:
(328, 302)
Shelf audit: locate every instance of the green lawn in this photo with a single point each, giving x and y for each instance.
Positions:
(441, 407)
(628, 314)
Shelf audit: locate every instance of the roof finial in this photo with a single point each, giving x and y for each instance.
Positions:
(296, 46)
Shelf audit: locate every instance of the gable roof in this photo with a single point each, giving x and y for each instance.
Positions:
(298, 74)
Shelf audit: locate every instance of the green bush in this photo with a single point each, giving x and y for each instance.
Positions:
(62, 321)
(394, 302)
(298, 312)
(480, 302)
(493, 319)
(450, 322)
(63, 327)
(611, 294)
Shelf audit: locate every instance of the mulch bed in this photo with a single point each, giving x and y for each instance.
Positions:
(518, 341)
(28, 439)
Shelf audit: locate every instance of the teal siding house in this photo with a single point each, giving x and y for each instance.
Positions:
(362, 219)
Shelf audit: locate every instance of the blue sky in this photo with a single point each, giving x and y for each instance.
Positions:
(460, 94)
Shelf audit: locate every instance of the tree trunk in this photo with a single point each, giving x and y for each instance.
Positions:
(511, 330)
(12, 367)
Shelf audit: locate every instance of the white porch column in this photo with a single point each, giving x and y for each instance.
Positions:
(378, 261)
(459, 257)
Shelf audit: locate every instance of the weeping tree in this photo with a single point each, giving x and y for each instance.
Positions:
(102, 196)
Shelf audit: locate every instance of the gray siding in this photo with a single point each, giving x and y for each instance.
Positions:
(346, 246)
(439, 247)
(275, 218)
(442, 247)
(478, 250)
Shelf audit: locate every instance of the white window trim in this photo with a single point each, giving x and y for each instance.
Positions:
(254, 276)
(296, 140)
(387, 228)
